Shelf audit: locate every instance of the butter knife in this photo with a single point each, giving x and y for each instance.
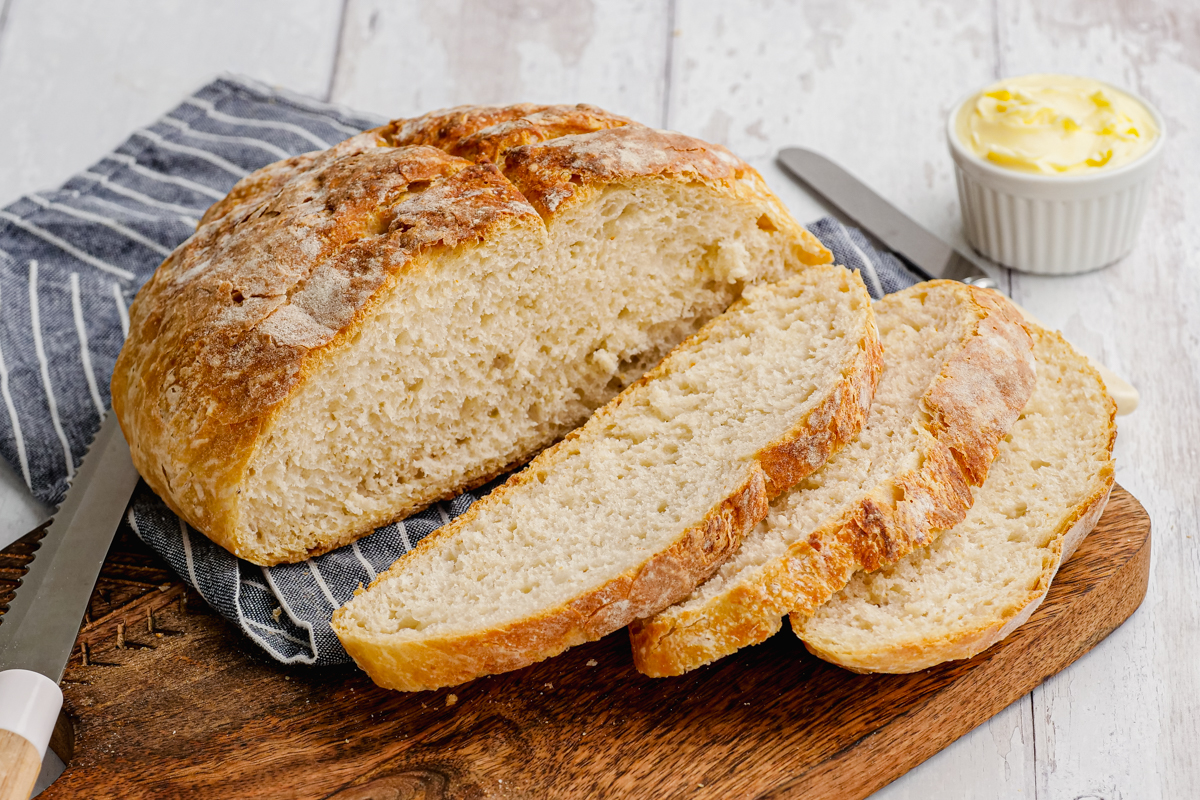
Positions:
(928, 255)
(39, 629)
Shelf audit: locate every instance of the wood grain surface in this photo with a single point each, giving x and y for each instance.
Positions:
(19, 764)
(166, 700)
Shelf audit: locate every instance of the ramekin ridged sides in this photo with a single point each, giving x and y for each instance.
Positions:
(1052, 224)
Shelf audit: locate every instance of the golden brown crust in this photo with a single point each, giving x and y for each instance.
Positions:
(1076, 523)
(829, 427)
(973, 405)
(916, 656)
(282, 272)
(487, 133)
(257, 186)
(667, 576)
(663, 579)
(555, 154)
(995, 362)
(221, 333)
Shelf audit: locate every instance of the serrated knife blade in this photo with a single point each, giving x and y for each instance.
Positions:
(38, 631)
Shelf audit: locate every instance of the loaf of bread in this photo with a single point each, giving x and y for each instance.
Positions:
(354, 334)
(980, 580)
(628, 513)
(958, 368)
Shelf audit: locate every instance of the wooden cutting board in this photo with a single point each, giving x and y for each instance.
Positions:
(167, 700)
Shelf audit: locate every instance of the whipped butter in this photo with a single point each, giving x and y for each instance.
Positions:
(1054, 124)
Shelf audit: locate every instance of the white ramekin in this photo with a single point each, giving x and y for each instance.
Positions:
(1052, 224)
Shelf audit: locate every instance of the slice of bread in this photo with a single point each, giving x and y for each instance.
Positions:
(628, 513)
(980, 580)
(354, 334)
(958, 368)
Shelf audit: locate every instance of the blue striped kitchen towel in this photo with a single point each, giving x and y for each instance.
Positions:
(71, 260)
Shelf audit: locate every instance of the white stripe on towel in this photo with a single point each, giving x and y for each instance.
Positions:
(261, 144)
(16, 423)
(872, 276)
(363, 560)
(274, 632)
(211, 158)
(35, 322)
(318, 108)
(132, 163)
(144, 199)
(66, 247)
(122, 311)
(316, 573)
(84, 355)
(91, 198)
(107, 222)
(212, 111)
(287, 609)
(189, 560)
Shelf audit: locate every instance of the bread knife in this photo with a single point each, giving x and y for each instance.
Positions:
(925, 253)
(38, 631)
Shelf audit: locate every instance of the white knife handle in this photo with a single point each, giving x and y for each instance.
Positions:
(1122, 392)
(29, 706)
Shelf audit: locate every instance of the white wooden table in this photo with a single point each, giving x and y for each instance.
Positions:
(866, 81)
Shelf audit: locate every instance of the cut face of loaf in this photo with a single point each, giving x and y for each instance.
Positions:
(354, 334)
(981, 579)
(958, 368)
(628, 513)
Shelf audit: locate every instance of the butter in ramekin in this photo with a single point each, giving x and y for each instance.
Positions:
(1053, 124)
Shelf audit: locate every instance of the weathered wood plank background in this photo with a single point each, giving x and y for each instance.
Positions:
(866, 81)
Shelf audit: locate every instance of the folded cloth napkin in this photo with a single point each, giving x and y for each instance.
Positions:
(71, 260)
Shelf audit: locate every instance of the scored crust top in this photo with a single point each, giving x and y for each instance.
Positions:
(286, 267)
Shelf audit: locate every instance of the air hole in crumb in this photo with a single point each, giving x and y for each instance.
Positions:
(237, 296)
(765, 223)
(1017, 511)
(575, 179)
(1037, 463)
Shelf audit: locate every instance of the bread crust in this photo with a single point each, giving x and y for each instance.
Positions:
(284, 271)
(1076, 523)
(664, 578)
(993, 368)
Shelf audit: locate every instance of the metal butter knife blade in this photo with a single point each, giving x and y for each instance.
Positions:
(38, 631)
(929, 255)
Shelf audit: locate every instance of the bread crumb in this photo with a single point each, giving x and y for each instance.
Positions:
(451, 699)
(276, 613)
(549, 685)
(592, 662)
